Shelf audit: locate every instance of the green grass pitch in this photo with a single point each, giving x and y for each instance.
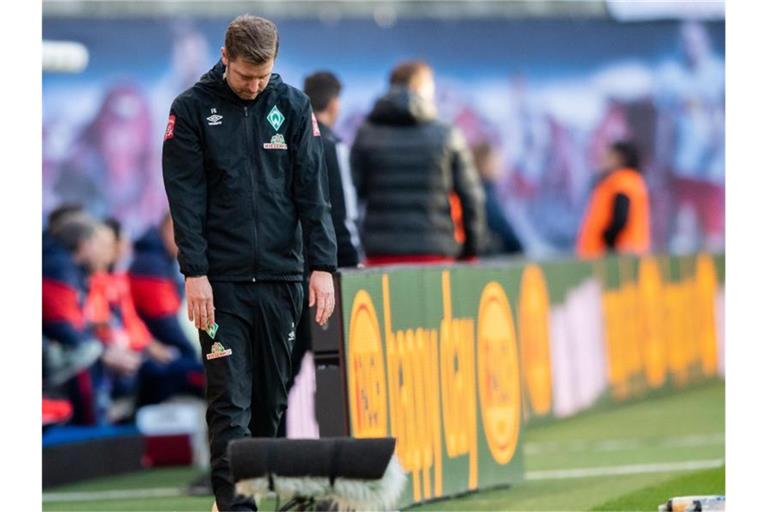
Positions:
(632, 457)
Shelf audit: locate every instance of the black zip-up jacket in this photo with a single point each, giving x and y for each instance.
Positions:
(406, 164)
(341, 191)
(243, 179)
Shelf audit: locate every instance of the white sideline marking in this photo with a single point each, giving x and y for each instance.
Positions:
(609, 445)
(172, 492)
(160, 492)
(633, 469)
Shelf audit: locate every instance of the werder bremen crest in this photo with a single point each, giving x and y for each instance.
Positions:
(275, 118)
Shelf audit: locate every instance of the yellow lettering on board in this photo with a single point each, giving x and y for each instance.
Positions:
(618, 374)
(534, 339)
(651, 322)
(677, 343)
(706, 325)
(413, 385)
(457, 371)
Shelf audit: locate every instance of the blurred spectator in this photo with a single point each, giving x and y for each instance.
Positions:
(138, 370)
(691, 100)
(501, 237)
(323, 89)
(72, 250)
(61, 213)
(423, 198)
(617, 216)
(109, 307)
(110, 166)
(156, 287)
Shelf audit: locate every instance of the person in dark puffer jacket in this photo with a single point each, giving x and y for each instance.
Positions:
(423, 198)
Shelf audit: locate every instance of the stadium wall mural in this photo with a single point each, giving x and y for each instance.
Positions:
(546, 94)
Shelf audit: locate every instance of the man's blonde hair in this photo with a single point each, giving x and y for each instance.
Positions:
(253, 38)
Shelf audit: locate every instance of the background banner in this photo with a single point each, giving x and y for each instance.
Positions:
(454, 361)
(548, 95)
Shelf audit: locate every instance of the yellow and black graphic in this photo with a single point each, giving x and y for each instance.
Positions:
(439, 359)
(499, 373)
(659, 323)
(533, 311)
(432, 381)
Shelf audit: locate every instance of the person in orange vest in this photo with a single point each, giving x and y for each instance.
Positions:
(617, 218)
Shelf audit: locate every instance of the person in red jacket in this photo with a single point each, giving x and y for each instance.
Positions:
(72, 251)
(617, 218)
(160, 370)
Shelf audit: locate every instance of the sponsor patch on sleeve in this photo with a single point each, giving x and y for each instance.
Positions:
(315, 128)
(170, 127)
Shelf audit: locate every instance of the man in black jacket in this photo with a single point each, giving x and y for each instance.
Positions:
(324, 90)
(424, 200)
(243, 169)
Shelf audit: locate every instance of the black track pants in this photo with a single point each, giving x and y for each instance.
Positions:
(247, 368)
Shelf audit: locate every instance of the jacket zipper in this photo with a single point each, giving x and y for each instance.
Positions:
(251, 173)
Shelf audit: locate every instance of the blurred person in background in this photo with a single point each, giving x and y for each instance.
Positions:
(155, 371)
(691, 140)
(72, 251)
(188, 59)
(239, 233)
(324, 90)
(617, 218)
(156, 287)
(111, 163)
(415, 175)
(500, 235)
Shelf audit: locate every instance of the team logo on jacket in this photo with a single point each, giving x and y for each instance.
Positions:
(217, 351)
(211, 330)
(315, 127)
(170, 127)
(214, 119)
(276, 142)
(275, 118)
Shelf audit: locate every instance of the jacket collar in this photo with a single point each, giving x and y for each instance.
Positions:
(213, 82)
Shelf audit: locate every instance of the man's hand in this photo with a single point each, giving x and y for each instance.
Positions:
(199, 301)
(321, 292)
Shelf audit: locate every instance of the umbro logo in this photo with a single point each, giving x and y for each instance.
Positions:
(214, 119)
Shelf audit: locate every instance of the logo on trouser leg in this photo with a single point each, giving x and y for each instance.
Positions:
(217, 351)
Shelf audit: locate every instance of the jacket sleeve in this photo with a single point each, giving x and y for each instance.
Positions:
(466, 184)
(310, 194)
(63, 318)
(343, 199)
(186, 187)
